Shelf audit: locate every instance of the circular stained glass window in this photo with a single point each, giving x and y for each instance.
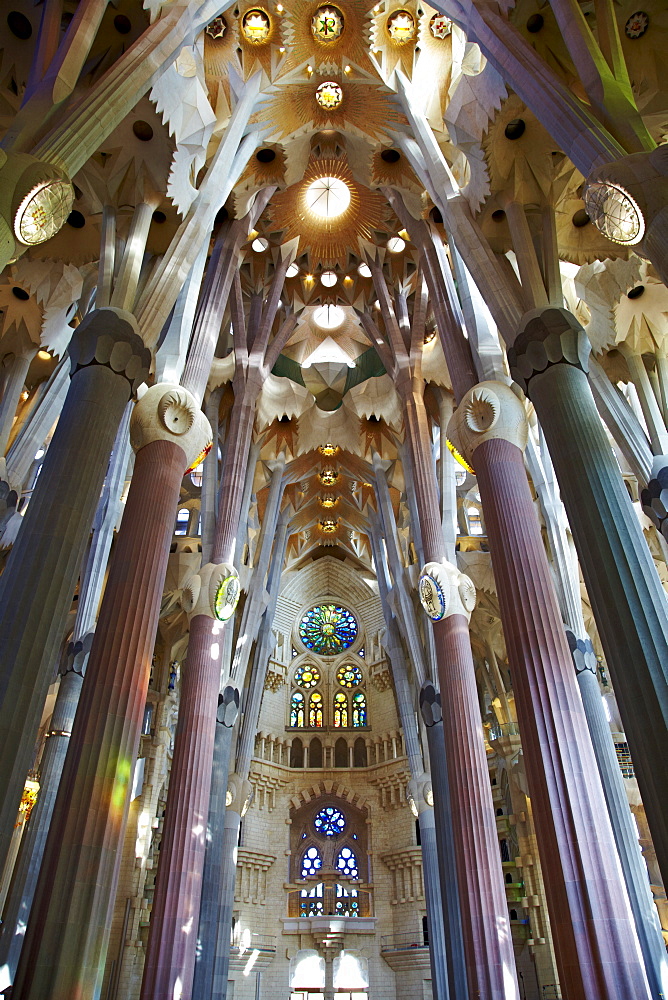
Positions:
(256, 26)
(614, 212)
(307, 677)
(327, 24)
(330, 821)
(401, 26)
(329, 95)
(349, 676)
(328, 629)
(347, 863)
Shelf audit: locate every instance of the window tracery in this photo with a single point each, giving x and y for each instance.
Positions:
(311, 862)
(315, 710)
(359, 709)
(298, 710)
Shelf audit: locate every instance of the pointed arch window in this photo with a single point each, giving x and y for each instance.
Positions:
(346, 863)
(310, 903)
(359, 709)
(311, 862)
(315, 710)
(340, 710)
(298, 709)
(182, 521)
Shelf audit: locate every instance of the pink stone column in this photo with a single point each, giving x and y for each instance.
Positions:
(596, 948)
(65, 948)
(488, 944)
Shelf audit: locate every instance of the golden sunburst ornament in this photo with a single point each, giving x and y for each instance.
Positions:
(329, 95)
(255, 26)
(327, 24)
(328, 449)
(401, 26)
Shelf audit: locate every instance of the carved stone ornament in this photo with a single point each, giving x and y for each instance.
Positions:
(547, 337)
(488, 411)
(213, 592)
(419, 794)
(110, 337)
(228, 706)
(582, 651)
(170, 413)
(444, 591)
(241, 794)
(430, 705)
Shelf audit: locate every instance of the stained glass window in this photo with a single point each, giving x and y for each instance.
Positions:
(347, 902)
(307, 677)
(297, 710)
(328, 629)
(359, 709)
(340, 710)
(349, 676)
(315, 709)
(329, 821)
(182, 521)
(347, 863)
(310, 904)
(311, 862)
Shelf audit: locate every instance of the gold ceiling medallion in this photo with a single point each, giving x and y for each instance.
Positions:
(328, 526)
(328, 476)
(327, 500)
(216, 28)
(401, 26)
(440, 26)
(256, 26)
(329, 95)
(328, 449)
(327, 24)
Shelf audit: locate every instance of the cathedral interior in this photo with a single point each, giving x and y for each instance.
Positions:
(333, 500)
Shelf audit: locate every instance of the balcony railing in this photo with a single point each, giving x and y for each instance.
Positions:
(402, 942)
(500, 730)
(623, 755)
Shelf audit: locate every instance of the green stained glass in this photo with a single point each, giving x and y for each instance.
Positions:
(328, 629)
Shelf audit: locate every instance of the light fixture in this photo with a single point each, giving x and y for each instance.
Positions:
(279, 8)
(401, 26)
(260, 244)
(43, 211)
(364, 270)
(327, 197)
(395, 244)
(328, 279)
(440, 26)
(346, 69)
(429, 336)
(328, 526)
(43, 355)
(328, 448)
(292, 271)
(328, 317)
(404, 234)
(329, 95)
(256, 26)
(328, 500)
(327, 24)
(328, 476)
(614, 212)
(39, 454)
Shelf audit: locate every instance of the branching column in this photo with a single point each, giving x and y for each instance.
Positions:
(68, 934)
(549, 359)
(487, 940)
(109, 360)
(594, 937)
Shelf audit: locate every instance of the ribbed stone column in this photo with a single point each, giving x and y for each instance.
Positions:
(648, 927)
(485, 925)
(36, 588)
(430, 706)
(67, 939)
(594, 937)
(14, 382)
(215, 860)
(549, 360)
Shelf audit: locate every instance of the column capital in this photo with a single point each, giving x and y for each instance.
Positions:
(430, 705)
(488, 411)
(582, 651)
(239, 794)
(654, 497)
(170, 413)
(444, 591)
(420, 795)
(76, 656)
(110, 337)
(213, 592)
(547, 337)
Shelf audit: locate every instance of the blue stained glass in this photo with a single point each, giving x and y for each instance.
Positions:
(347, 863)
(328, 629)
(330, 821)
(311, 862)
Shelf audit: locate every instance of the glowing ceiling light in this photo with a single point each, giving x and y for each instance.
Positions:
(260, 244)
(395, 244)
(328, 317)
(292, 271)
(255, 26)
(328, 448)
(329, 95)
(364, 270)
(328, 279)
(401, 26)
(327, 197)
